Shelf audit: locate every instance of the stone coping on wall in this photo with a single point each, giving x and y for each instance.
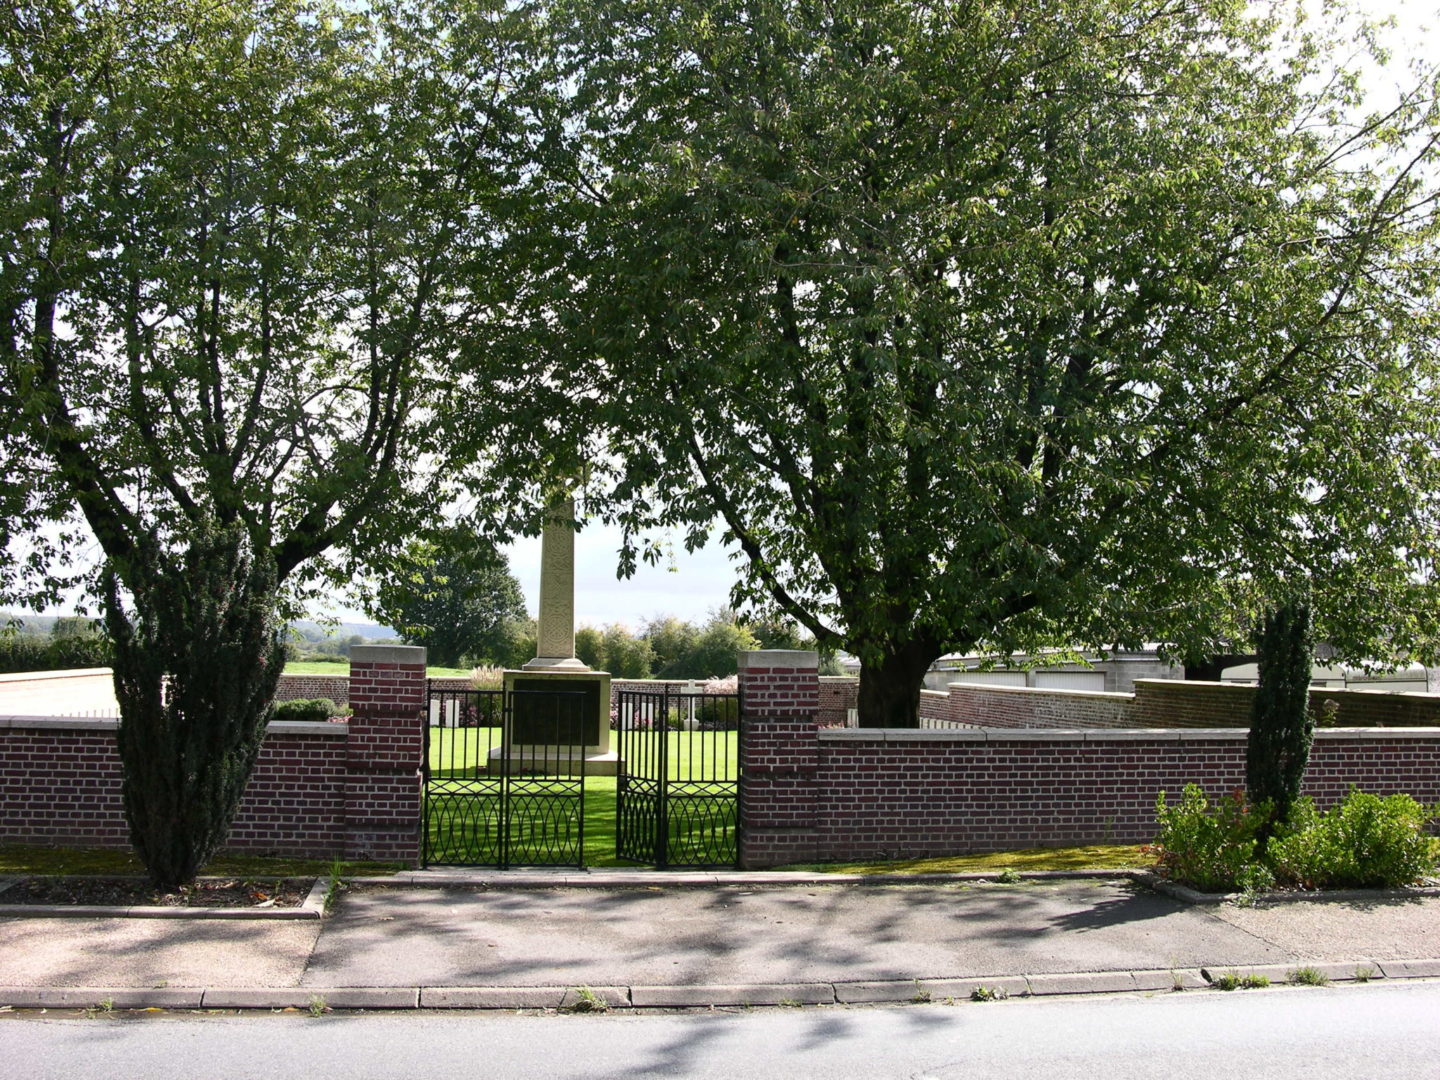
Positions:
(81, 723)
(66, 673)
(1105, 695)
(1098, 735)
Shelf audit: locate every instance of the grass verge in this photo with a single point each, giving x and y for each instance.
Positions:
(323, 667)
(18, 860)
(1090, 857)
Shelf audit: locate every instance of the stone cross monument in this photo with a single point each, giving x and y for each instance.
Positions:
(559, 708)
(555, 639)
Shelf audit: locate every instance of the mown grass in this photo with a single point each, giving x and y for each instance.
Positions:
(322, 667)
(1089, 857)
(25, 860)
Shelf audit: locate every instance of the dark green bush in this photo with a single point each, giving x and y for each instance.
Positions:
(305, 709)
(1365, 842)
(717, 714)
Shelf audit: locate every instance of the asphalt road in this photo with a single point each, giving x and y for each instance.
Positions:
(1360, 1031)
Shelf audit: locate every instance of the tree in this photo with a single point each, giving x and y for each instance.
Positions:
(1277, 748)
(721, 641)
(242, 248)
(459, 600)
(672, 643)
(1007, 325)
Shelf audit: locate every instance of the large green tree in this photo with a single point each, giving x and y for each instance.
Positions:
(1008, 323)
(242, 247)
(458, 599)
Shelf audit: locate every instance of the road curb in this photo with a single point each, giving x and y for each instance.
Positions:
(312, 907)
(598, 998)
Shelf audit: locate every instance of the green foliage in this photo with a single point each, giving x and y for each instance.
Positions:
(1277, 747)
(305, 709)
(977, 328)
(29, 652)
(1231, 980)
(197, 657)
(455, 595)
(1307, 976)
(237, 356)
(1367, 841)
(1211, 847)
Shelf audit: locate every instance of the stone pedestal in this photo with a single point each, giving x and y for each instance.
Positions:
(551, 732)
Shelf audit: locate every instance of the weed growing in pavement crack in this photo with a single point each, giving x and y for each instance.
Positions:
(587, 1001)
(1308, 976)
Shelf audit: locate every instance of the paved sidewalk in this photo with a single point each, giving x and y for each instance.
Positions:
(492, 940)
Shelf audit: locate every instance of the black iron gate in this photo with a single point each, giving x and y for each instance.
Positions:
(677, 795)
(504, 778)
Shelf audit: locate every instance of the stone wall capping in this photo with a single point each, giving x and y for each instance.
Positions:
(308, 727)
(387, 654)
(799, 659)
(60, 723)
(1037, 734)
(1133, 735)
(1212, 734)
(1048, 691)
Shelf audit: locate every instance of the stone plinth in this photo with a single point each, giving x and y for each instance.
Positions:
(551, 731)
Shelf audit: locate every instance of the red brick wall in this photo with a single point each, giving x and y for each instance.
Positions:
(384, 792)
(60, 785)
(1022, 707)
(838, 695)
(318, 789)
(908, 793)
(294, 687)
(779, 695)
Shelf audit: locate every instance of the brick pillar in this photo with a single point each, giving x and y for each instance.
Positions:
(780, 699)
(387, 737)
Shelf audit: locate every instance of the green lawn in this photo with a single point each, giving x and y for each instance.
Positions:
(469, 826)
(321, 667)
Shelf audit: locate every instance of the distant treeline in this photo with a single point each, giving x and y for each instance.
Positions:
(51, 643)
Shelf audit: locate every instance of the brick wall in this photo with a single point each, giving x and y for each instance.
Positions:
(779, 696)
(811, 794)
(294, 687)
(838, 695)
(319, 789)
(915, 793)
(60, 785)
(977, 705)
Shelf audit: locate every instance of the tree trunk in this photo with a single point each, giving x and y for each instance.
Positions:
(196, 666)
(1281, 727)
(890, 690)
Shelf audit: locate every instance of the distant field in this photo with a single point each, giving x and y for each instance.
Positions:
(320, 667)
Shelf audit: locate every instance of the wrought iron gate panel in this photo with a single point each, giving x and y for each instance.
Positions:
(677, 796)
(490, 802)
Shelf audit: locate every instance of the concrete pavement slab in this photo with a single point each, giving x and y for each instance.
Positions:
(1383, 929)
(744, 935)
(153, 952)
